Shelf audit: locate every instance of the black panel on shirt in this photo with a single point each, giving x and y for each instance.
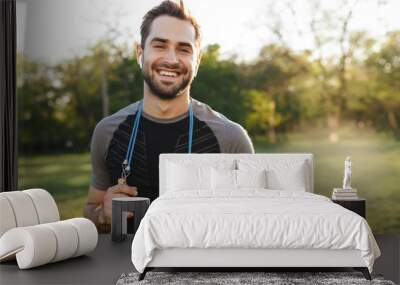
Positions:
(154, 138)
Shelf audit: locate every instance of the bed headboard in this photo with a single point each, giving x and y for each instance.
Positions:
(211, 158)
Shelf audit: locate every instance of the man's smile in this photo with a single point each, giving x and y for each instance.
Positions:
(166, 75)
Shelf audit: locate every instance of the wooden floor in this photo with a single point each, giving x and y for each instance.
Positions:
(389, 262)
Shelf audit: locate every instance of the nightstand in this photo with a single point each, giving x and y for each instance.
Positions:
(358, 206)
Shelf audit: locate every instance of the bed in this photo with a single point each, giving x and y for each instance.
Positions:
(247, 210)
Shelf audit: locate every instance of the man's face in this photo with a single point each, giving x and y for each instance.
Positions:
(170, 57)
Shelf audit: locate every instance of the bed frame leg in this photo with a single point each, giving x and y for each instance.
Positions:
(364, 271)
(143, 274)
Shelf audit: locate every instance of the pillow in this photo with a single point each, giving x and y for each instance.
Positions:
(282, 174)
(226, 179)
(197, 161)
(223, 179)
(251, 178)
(291, 179)
(183, 177)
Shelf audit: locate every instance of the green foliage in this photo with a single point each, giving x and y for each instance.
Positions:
(125, 80)
(38, 120)
(279, 74)
(383, 102)
(262, 115)
(218, 84)
(66, 98)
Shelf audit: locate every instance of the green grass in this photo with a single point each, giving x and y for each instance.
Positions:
(65, 176)
(376, 172)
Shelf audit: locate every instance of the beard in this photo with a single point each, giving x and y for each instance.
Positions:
(166, 92)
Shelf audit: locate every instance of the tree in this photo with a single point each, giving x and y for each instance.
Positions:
(218, 83)
(278, 74)
(329, 29)
(383, 68)
(82, 87)
(262, 117)
(39, 126)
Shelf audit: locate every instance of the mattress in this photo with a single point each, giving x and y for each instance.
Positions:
(252, 219)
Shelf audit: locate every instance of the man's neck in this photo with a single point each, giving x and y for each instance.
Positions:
(165, 109)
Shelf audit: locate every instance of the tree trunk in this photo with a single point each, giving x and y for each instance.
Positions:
(271, 135)
(104, 85)
(392, 121)
(333, 126)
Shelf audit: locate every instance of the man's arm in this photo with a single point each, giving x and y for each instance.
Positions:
(94, 209)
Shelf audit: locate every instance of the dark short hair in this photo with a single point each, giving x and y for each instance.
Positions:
(168, 8)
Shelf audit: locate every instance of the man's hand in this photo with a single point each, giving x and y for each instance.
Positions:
(119, 190)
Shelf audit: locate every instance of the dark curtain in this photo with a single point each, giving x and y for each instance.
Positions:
(8, 108)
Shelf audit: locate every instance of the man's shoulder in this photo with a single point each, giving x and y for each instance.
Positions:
(214, 119)
(231, 136)
(110, 123)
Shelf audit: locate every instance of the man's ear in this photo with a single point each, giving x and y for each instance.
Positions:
(139, 54)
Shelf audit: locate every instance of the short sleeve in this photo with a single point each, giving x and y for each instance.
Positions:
(240, 140)
(100, 177)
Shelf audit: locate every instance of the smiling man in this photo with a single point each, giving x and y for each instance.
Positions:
(126, 146)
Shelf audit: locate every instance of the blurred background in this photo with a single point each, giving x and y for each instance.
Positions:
(301, 76)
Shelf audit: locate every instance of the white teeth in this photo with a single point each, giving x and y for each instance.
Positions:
(168, 73)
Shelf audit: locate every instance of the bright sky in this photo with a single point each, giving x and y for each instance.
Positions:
(52, 30)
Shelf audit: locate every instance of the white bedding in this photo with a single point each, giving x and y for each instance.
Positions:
(251, 218)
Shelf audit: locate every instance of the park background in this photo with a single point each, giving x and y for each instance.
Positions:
(301, 76)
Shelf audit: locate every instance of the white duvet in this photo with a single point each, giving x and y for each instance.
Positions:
(252, 218)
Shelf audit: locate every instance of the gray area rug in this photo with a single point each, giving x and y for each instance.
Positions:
(273, 278)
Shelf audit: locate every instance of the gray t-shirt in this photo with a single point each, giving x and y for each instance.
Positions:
(212, 133)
